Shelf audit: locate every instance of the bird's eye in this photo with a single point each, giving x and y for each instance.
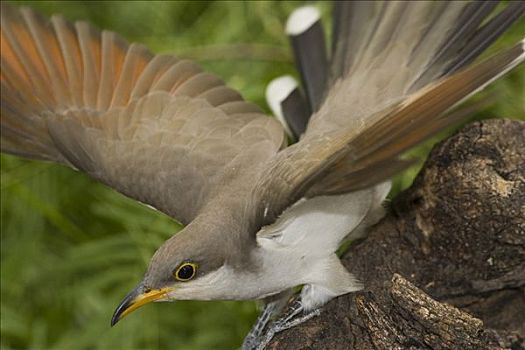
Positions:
(185, 272)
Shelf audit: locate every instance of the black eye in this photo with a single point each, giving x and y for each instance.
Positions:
(186, 271)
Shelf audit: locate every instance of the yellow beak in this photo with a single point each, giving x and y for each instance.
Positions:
(138, 297)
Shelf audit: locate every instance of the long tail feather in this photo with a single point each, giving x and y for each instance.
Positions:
(288, 105)
(306, 34)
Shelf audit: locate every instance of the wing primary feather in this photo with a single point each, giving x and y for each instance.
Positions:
(71, 56)
(487, 34)
(137, 57)
(50, 54)
(153, 71)
(360, 159)
(418, 117)
(91, 73)
(427, 32)
(460, 31)
(353, 24)
(176, 75)
(386, 51)
(198, 84)
(114, 49)
(468, 23)
(307, 38)
(339, 21)
(157, 129)
(16, 40)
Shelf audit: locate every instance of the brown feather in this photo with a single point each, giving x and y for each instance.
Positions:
(145, 125)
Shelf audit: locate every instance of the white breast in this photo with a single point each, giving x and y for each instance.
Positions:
(320, 224)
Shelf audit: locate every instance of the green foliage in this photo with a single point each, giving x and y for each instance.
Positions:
(72, 248)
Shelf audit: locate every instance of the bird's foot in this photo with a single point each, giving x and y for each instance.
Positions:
(292, 318)
(251, 341)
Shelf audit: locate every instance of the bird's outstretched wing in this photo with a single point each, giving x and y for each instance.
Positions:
(383, 52)
(156, 128)
(395, 69)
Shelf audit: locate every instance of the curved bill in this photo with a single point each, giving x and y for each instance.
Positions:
(138, 297)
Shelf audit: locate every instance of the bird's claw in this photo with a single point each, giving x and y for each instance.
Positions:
(291, 319)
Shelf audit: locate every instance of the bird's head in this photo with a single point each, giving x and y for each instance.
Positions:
(198, 263)
(181, 269)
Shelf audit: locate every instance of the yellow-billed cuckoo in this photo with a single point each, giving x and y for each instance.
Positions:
(261, 218)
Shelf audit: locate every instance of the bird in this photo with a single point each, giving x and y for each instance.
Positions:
(261, 216)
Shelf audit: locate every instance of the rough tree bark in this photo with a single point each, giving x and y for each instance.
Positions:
(446, 268)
